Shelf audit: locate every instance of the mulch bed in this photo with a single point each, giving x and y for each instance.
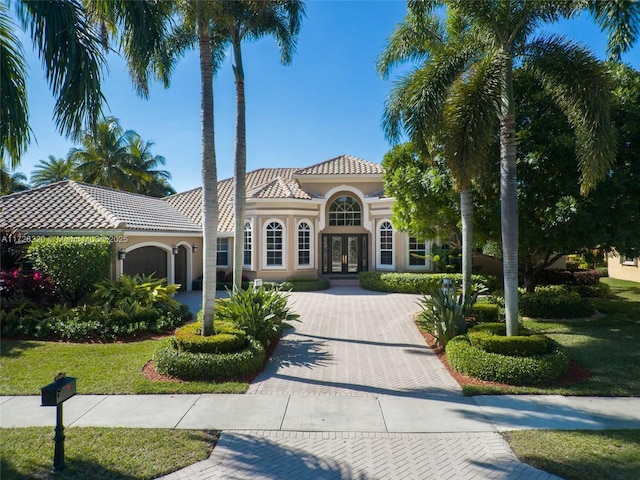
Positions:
(576, 373)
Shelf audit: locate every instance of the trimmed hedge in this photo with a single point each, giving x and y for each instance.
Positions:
(419, 283)
(484, 312)
(206, 366)
(306, 284)
(568, 277)
(475, 362)
(228, 338)
(491, 338)
(555, 301)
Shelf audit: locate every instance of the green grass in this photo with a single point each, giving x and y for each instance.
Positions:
(102, 453)
(580, 455)
(111, 368)
(606, 344)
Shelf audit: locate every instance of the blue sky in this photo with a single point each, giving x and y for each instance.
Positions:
(327, 102)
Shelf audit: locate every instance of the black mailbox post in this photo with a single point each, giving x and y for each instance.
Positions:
(54, 394)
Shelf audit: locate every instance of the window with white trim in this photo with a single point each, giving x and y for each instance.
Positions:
(274, 242)
(345, 211)
(222, 252)
(304, 244)
(385, 236)
(247, 244)
(417, 252)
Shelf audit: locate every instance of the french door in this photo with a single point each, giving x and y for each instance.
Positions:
(344, 254)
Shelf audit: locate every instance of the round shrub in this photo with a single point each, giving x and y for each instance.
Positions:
(207, 366)
(475, 362)
(228, 338)
(555, 301)
(484, 312)
(514, 346)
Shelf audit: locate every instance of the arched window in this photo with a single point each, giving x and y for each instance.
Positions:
(345, 211)
(274, 238)
(304, 244)
(385, 242)
(248, 243)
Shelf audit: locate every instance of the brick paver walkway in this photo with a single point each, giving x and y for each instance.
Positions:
(353, 342)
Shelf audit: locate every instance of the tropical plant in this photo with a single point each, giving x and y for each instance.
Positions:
(478, 64)
(260, 313)
(250, 20)
(155, 182)
(144, 290)
(71, 52)
(444, 313)
(12, 182)
(53, 170)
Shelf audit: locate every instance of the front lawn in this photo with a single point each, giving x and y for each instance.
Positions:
(580, 455)
(606, 344)
(102, 453)
(101, 368)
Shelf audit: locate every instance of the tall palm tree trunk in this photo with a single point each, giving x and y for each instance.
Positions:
(239, 168)
(466, 210)
(209, 181)
(509, 199)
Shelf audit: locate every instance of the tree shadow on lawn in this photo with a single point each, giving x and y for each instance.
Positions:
(15, 348)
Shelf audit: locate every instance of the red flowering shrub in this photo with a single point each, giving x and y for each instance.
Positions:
(18, 284)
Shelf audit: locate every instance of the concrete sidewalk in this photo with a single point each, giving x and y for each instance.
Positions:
(352, 392)
(321, 413)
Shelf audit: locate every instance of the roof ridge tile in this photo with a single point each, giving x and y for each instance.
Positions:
(95, 203)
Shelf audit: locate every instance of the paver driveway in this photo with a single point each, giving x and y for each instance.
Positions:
(354, 342)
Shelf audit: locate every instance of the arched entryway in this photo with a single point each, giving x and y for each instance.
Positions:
(146, 261)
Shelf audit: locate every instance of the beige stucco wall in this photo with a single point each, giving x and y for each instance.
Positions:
(622, 270)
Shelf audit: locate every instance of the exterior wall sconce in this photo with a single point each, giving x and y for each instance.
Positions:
(174, 249)
(194, 248)
(122, 254)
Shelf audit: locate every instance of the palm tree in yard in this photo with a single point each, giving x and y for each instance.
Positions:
(12, 182)
(53, 170)
(459, 125)
(71, 53)
(155, 182)
(240, 21)
(496, 35)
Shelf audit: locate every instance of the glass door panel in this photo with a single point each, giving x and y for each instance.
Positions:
(336, 254)
(352, 254)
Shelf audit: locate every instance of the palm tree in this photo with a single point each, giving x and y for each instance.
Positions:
(463, 129)
(155, 183)
(496, 35)
(70, 50)
(12, 182)
(104, 158)
(53, 170)
(250, 20)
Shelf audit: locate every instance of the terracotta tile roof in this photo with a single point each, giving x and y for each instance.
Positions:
(70, 205)
(280, 188)
(342, 165)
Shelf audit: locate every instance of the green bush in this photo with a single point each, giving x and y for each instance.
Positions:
(228, 338)
(74, 263)
(601, 290)
(259, 313)
(603, 271)
(491, 338)
(305, 284)
(144, 290)
(88, 322)
(484, 312)
(475, 362)
(419, 283)
(206, 366)
(554, 301)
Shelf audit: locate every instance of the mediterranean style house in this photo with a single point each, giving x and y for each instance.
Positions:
(329, 219)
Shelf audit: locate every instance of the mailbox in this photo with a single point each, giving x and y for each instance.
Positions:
(57, 392)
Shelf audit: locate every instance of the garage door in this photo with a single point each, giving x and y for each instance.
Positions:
(147, 261)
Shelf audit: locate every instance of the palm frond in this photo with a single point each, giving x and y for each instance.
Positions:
(15, 133)
(578, 83)
(621, 19)
(70, 49)
(471, 119)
